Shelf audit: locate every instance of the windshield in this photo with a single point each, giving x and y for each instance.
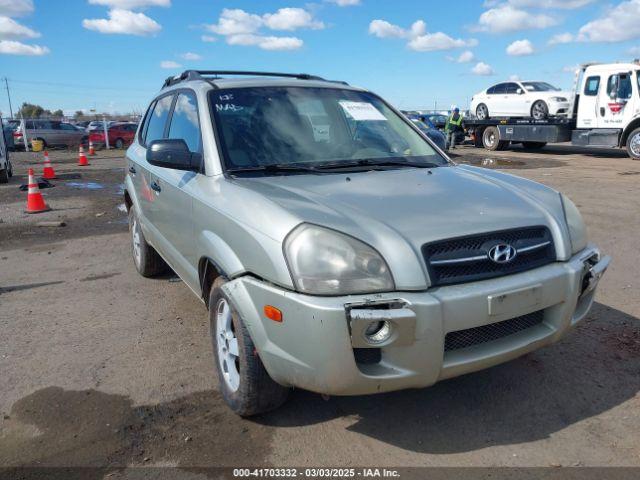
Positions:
(315, 126)
(539, 87)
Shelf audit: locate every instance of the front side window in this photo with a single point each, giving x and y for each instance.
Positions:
(511, 88)
(158, 119)
(293, 125)
(619, 86)
(184, 121)
(591, 86)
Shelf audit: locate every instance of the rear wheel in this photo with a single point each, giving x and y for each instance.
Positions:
(4, 175)
(482, 112)
(633, 144)
(119, 143)
(540, 110)
(491, 139)
(145, 258)
(533, 145)
(245, 384)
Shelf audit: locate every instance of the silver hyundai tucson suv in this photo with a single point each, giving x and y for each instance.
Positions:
(336, 247)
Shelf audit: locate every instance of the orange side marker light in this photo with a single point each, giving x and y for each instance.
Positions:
(272, 313)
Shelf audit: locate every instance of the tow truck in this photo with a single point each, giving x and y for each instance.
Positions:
(604, 112)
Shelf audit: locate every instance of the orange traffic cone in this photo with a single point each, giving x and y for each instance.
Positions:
(92, 150)
(82, 158)
(47, 172)
(35, 202)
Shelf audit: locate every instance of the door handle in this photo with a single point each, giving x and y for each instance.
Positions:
(155, 187)
(602, 111)
(132, 169)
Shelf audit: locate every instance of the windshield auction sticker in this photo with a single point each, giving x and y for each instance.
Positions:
(360, 111)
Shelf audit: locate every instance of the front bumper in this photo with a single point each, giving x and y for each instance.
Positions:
(558, 108)
(313, 347)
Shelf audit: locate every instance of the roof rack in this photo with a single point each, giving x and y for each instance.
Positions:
(202, 74)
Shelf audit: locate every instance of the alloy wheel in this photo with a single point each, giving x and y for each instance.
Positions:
(227, 344)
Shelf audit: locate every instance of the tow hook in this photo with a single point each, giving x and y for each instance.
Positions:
(594, 271)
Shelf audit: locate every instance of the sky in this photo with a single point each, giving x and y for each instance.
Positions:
(113, 55)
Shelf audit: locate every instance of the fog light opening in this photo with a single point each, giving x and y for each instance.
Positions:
(377, 332)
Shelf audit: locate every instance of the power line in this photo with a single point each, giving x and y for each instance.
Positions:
(93, 87)
(6, 82)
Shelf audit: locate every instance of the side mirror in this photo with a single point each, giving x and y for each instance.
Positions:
(519, 91)
(173, 153)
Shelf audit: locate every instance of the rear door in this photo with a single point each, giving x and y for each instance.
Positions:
(588, 105)
(497, 101)
(171, 212)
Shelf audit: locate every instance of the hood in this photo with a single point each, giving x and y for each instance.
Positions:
(397, 211)
(564, 94)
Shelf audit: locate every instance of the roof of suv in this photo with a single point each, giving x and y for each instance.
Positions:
(240, 79)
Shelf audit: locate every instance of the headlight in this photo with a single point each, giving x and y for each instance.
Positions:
(326, 262)
(577, 229)
(559, 99)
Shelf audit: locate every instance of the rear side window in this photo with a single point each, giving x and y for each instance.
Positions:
(591, 86)
(184, 121)
(158, 119)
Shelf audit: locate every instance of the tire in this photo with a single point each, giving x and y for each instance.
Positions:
(539, 110)
(491, 139)
(10, 165)
(633, 144)
(44, 143)
(245, 384)
(533, 145)
(482, 112)
(145, 258)
(119, 144)
(4, 175)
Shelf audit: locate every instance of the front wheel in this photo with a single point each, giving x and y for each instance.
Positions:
(119, 144)
(4, 175)
(633, 144)
(245, 384)
(482, 112)
(539, 110)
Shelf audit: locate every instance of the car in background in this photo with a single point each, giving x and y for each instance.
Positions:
(520, 99)
(120, 135)
(6, 170)
(439, 120)
(52, 133)
(430, 130)
(98, 125)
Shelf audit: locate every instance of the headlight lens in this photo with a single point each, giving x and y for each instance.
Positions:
(577, 228)
(559, 99)
(326, 262)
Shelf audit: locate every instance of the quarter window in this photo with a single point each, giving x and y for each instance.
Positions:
(158, 119)
(184, 121)
(591, 86)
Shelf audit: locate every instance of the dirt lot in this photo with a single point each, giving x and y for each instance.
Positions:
(101, 367)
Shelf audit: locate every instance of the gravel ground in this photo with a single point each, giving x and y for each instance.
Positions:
(100, 367)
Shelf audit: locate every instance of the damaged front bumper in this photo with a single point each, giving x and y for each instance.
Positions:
(322, 345)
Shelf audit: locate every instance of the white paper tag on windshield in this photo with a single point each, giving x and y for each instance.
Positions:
(361, 111)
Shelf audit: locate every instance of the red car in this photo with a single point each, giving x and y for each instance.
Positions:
(120, 135)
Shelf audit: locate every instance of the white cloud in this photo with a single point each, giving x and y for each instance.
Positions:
(190, 56)
(16, 8)
(384, 29)
(170, 64)
(243, 28)
(617, 25)
(265, 42)
(131, 4)
(417, 36)
(634, 51)
(520, 48)
(345, 3)
(208, 38)
(10, 47)
(123, 22)
(506, 18)
(514, 78)
(551, 4)
(570, 68)
(561, 38)
(482, 68)
(466, 57)
(10, 29)
(291, 19)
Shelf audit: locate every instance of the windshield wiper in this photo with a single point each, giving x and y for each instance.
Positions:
(375, 163)
(273, 168)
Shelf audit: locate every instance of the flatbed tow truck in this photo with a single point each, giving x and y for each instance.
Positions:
(604, 112)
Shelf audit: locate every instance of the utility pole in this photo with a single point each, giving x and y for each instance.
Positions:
(6, 82)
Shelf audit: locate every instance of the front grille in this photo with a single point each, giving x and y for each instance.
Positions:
(493, 331)
(465, 259)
